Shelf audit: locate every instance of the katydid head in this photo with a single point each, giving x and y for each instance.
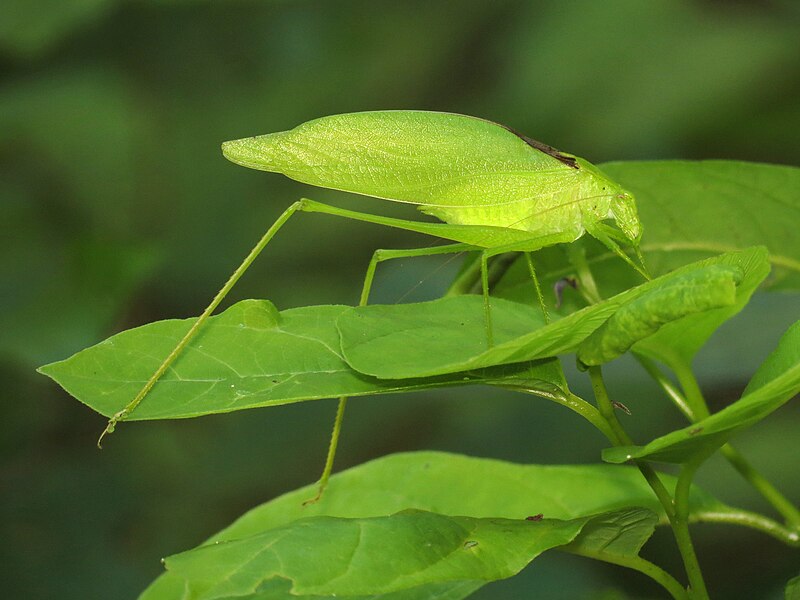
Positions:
(622, 205)
(623, 208)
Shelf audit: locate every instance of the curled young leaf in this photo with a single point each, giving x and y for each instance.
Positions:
(706, 288)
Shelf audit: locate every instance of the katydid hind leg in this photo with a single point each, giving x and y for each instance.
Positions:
(197, 325)
(303, 205)
(377, 257)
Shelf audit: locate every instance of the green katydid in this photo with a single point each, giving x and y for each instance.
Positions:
(497, 191)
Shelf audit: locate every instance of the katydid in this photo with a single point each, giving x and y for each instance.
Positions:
(495, 190)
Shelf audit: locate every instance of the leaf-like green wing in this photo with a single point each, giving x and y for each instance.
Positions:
(774, 384)
(248, 356)
(449, 335)
(694, 209)
(456, 485)
(411, 156)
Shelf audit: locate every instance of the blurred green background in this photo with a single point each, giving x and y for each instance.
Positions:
(118, 209)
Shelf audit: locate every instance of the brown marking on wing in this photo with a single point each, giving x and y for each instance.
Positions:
(557, 154)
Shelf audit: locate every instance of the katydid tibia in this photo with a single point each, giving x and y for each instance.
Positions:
(495, 190)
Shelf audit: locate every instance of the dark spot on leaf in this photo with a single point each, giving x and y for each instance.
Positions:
(538, 517)
(470, 544)
(695, 431)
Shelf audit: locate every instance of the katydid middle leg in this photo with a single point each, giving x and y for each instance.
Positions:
(378, 256)
(535, 243)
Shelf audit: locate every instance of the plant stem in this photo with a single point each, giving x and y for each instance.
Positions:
(788, 510)
(745, 518)
(680, 527)
(691, 390)
(637, 563)
(575, 404)
(672, 392)
(678, 520)
(587, 287)
(621, 438)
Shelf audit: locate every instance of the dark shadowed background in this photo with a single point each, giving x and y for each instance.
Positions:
(118, 209)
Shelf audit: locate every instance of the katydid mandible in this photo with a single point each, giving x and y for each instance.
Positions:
(496, 190)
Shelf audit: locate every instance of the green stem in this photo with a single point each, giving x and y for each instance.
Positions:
(575, 404)
(691, 390)
(637, 563)
(587, 287)
(680, 527)
(745, 518)
(782, 504)
(677, 511)
(621, 438)
(670, 389)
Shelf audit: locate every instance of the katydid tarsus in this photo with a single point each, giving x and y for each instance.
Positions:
(495, 190)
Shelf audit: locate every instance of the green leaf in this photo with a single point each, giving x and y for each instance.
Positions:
(694, 209)
(455, 485)
(248, 356)
(373, 555)
(449, 335)
(774, 384)
(678, 342)
(695, 292)
(620, 534)
(781, 361)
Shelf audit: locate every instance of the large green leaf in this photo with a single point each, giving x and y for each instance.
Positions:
(449, 335)
(694, 209)
(374, 555)
(774, 384)
(451, 484)
(250, 355)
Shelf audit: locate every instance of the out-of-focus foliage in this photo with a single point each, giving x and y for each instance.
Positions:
(118, 209)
